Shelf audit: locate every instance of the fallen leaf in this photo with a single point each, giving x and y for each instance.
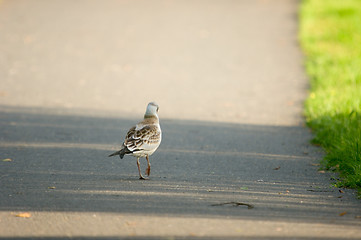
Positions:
(51, 187)
(341, 191)
(7, 160)
(277, 168)
(28, 39)
(290, 103)
(322, 171)
(342, 214)
(23, 215)
(127, 67)
(192, 234)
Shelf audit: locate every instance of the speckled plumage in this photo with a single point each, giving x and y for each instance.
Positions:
(143, 139)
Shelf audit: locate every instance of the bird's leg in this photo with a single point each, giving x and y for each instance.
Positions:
(147, 171)
(140, 174)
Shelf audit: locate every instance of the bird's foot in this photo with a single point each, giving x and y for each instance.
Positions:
(143, 178)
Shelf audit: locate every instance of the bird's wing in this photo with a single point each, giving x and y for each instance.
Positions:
(145, 138)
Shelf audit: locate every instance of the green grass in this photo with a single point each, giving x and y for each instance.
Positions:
(330, 35)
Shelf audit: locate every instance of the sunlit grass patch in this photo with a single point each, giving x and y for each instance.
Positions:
(330, 34)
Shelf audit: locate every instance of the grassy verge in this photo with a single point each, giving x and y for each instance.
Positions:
(330, 36)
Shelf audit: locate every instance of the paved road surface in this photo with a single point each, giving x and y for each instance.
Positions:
(75, 75)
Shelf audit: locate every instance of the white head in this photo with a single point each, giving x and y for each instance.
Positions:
(152, 110)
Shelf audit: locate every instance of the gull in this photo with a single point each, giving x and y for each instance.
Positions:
(143, 139)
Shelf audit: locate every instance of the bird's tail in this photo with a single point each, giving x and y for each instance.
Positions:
(121, 153)
(115, 153)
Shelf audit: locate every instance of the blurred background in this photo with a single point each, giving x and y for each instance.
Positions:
(200, 60)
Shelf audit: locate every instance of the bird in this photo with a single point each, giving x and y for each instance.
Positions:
(143, 139)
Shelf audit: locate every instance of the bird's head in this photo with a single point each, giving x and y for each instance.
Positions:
(152, 110)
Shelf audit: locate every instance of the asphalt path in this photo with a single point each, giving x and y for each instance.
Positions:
(235, 160)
